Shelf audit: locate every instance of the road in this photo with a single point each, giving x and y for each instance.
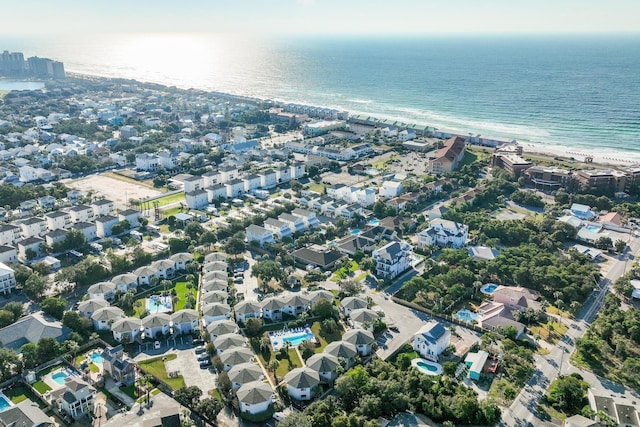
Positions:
(524, 410)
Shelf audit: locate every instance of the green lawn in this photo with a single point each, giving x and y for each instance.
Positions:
(172, 211)
(156, 367)
(326, 338)
(130, 391)
(19, 393)
(182, 293)
(172, 198)
(287, 365)
(318, 187)
(94, 368)
(41, 387)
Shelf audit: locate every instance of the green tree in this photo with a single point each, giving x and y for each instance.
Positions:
(314, 276)
(10, 364)
(30, 254)
(16, 309)
(208, 238)
(6, 318)
(54, 306)
(194, 230)
(29, 353)
(210, 407)
(324, 309)
(188, 396)
(235, 246)
(266, 271)
(568, 394)
(603, 243)
(35, 286)
(48, 348)
(75, 322)
(253, 327)
(620, 245)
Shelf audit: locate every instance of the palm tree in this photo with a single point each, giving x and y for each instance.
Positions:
(273, 367)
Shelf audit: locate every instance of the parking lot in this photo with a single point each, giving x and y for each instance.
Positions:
(185, 364)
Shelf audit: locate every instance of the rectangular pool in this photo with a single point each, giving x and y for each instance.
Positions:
(96, 358)
(5, 403)
(59, 377)
(293, 338)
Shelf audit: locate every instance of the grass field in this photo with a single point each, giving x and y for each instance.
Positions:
(318, 187)
(551, 331)
(325, 339)
(19, 393)
(156, 367)
(171, 198)
(182, 293)
(145, 183)
(172, 211)
(41, 387)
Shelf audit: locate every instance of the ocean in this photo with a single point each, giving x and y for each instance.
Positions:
(578, 91)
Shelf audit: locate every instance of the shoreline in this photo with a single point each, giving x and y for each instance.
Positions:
(617, 158)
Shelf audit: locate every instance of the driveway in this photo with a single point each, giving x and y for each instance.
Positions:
(188, 366)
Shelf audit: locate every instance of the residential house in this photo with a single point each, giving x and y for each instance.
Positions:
(392, 259)
(349, 304)
(361, 338)
(613, 221)
(8, 254)
(217, 191)
(272, 308)
(255, 397)
(9, 234)
(268, 179)
(145, 275)
(102, 207)
(7, 279)
(156, 324)
(104, 317)
(296, 304)
(55, 236)
(363, 318)
(89, 230)
(623, 408)
(236, 356)
(27, 245)
(165, 268)
(227, 341)
(215, 311)
(252, 182)
(118, 366)
(57, 220)
(185, 321)
(228, 173)
(235, 188)
(104, 225)
(317, 256)
(244, 373)
(212, 178)
(81, 213)
(75, 398)
(475, 362)
(390, 189)
(580, 421)
(181, 260)
(193, 183)
(295, 223)
(131, 215)
(301, 383)
(86, 308)
(444, 233)
(308, 217)
(33, 227)
(431, 340)
(102, 290)
(26, 413)
(222, 327)
(279, 228)
(342, 350)
(326, 365)
(125, 282)
(31, 329)
(258, 234)
(483, 253)
(583, 212)
(126, 330)
(247, 309)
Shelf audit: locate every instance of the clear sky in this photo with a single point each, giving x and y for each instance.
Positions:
(24, 17)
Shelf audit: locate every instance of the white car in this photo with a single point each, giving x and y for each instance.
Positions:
(156, 345)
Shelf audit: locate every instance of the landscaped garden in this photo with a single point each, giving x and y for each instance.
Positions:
(19, 393)
(156, 367)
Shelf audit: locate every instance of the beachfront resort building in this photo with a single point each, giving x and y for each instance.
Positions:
(448, 157)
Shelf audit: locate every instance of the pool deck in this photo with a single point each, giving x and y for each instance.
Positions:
(277, 337)
(438, 367)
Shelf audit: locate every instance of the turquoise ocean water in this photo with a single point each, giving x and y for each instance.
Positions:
(576, 91)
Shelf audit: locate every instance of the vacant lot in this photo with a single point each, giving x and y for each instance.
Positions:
(118, 191)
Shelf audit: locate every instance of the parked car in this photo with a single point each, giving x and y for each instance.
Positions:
(203, 356)
(199, 349)
(394, 329)
(197, 341)
(205, 364)
(156, 345)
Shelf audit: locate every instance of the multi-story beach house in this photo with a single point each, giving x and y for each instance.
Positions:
(392, 259)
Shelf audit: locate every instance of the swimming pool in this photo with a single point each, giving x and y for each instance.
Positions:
(355, 231)
(5, 403)
(293, 337)
(593, 228)
(466, 315)
(159, 304)
(59, 377)
(373, 222)
(96, 357)
(427, 367)
(489, 288)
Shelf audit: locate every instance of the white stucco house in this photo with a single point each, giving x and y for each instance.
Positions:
(431, 340)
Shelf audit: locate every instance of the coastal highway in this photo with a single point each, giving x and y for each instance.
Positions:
(524, 410)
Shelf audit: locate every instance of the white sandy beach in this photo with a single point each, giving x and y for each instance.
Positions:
(611, 158)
